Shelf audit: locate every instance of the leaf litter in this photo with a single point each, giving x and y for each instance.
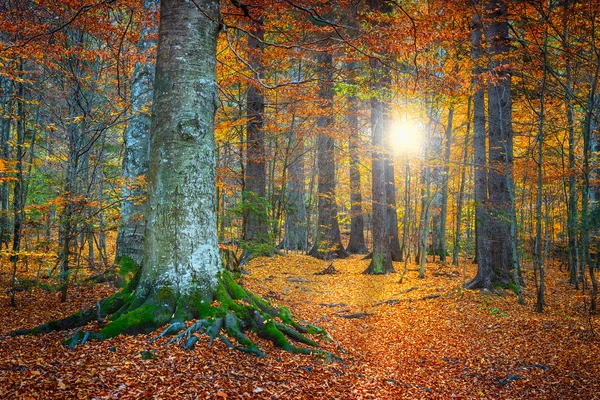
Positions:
(424, 338)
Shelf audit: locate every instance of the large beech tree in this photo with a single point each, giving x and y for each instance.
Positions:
(181, 272)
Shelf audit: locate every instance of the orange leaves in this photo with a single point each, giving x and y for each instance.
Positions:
(462, 344)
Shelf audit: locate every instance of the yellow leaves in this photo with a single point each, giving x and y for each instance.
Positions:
(445, 347)
(3, 166)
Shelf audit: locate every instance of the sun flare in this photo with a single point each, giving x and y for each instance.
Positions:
(407, 135)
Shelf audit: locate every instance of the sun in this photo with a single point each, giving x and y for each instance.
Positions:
(406, 135)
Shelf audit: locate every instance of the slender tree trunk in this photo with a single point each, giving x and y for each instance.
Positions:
(19, 187)
(572, 209)
(406, 223)
(381, 260)
(539, 255)
(66, 217)
(484, 271)
(425, 218)
(5, 123)
(328, 242)
(588, 193)
(445, 179)
(461, 190)
(256, 228)
(390, 190)
(296, 223)
(356, 245)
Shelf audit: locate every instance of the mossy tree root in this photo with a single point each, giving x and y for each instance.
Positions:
(109, 306)
(235, 311)
(232, 312)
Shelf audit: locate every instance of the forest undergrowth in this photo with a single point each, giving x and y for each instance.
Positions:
(423, 338)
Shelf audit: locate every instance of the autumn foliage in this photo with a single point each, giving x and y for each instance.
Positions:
(68, 93)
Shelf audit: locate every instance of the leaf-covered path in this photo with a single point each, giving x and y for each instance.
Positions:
(419, 339)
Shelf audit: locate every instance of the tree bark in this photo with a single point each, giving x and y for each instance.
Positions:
(256, 228)
(390, 192)
(5, 123)
(356, 245)
(484, 276)
(130, 239)
(461, 190)
(181, 255)
(328, 242)
(572, 205)
(445, 179)
(19, 187)
(500, 144)
(296, 228)
(381, 260)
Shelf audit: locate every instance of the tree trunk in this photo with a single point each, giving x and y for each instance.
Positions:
(328, 242)
(256, 228)
(390, 192)
(182, 171)
(296, 228)
(130, 239)
(5, 123)
(484, 276)
(381, 260)
(445, 179)
(19, 187)
(434, 196)
(356, 245)
(588, 192)
(425, 216)
(461, 190)
(572, 205)
(539, 259)
(500, 145)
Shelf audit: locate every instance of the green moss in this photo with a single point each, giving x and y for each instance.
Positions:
(286, 316)
(275, 335)
(143, 319)
(166, 295)
(129, 274)
(377, 263)
(204, 309)
(234, 290)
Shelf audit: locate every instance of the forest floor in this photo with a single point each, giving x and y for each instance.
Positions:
(430, 340)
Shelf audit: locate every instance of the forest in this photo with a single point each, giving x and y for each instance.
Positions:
(353, 199)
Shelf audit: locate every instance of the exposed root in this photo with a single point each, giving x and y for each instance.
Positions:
(108, 306)
(233, 312)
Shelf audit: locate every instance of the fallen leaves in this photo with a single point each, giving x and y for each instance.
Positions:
(420, 339)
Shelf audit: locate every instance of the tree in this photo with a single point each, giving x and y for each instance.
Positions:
(6, 86)
(381, 260)
(256, 229)
(356, 244)
(296, 222)
(181, 273)
(130, 239)
(390, 194)
(493, 199)
(328, 242)
(500, 144)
